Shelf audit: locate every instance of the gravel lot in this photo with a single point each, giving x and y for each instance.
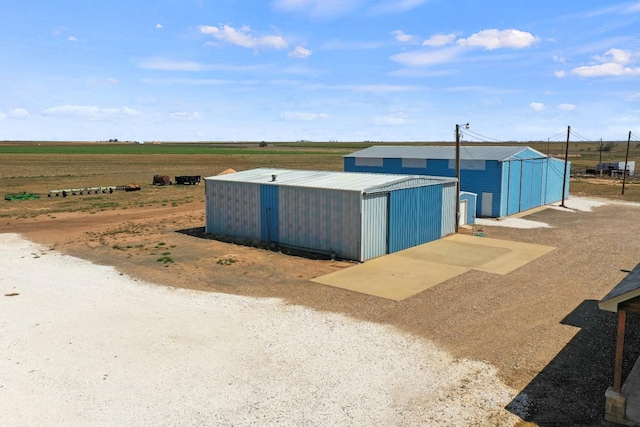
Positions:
(85, 345)
(539, 326)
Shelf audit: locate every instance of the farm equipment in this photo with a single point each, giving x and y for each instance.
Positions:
(21, 196)
(93, 190)
(161, 180)
(188, 179)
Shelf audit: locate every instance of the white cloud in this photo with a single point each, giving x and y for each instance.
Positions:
(397, 6)
(617, 56)
(302, 116)
(613, 64)
(19, 113)
(243, 37)
(300, 52)
(169, 65)
(567, 107)
(2, 116)
(187, 82)
(558, 58)
(57, 31)
(560, 74)
(439, 40)
(166, 65)
(401, 37)
(499, 39)
(394, 119)
(111, 81)
(185, 115)
(538, 106)
(425, 58)
(323, 9)
(72, 39)
(604, 70)
(159, 26)
(380, 88)
(90, 112)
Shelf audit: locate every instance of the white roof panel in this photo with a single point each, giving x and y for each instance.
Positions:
(350, 181)
(500, 153)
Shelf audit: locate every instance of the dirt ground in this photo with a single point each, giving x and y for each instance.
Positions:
(539, 325)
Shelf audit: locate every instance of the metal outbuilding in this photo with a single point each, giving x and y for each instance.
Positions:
(355, 216)
(507, 179)
(468, 202)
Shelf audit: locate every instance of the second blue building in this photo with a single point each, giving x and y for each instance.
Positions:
(507, 179)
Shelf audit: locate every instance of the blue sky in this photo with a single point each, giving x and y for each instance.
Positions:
(343, 70)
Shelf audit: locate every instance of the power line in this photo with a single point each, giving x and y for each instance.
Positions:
(582, 138)
(480, 137)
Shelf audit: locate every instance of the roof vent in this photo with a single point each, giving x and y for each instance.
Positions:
(273, 177)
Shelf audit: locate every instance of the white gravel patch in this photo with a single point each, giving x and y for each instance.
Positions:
(586, 204)
(512, 223)
(82, 344)
(572, 205)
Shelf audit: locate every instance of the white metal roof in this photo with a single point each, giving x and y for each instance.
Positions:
(500, 153)
(350, 181)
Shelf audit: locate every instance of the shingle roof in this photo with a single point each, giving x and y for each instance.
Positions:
(500, 153)
(628, 288)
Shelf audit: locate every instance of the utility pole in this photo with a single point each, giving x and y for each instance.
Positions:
(457, 177)
(626, 160)
(600, 162)
(566, 158)
(458, 174)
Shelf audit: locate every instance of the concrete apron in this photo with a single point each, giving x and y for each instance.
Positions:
(406, 273)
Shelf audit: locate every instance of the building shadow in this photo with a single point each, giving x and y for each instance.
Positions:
(570, 390)
(200, 233)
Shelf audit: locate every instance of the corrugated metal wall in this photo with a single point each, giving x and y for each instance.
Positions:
(414, 217)
(321, 219)
(375, 226)
(448, 222)
(232, 209)
(554, 178)
(472, 200)
(269, 213)
(530, 183)
(488, 180)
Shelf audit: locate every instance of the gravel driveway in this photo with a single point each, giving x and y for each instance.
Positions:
(82, 344)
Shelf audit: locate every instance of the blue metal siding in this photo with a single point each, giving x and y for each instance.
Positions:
(414, 217)
(525, 185)
(269, 217)
(514, 183)
(484, 181)
(527, 180)
(471, 206)
(474, 181)
(375, 226)
(554, 174)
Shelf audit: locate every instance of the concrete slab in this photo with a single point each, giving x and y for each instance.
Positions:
(406, 273)
(393, 277)
(518, 254)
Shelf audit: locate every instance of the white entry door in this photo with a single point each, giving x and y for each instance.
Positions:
(463, 212)
(487, 205)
